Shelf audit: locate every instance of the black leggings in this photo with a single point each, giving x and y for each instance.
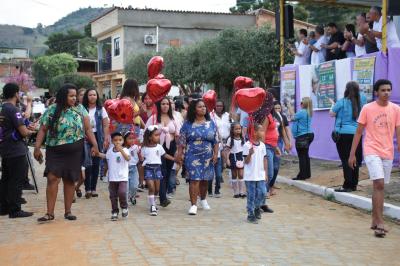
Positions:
(343, 147)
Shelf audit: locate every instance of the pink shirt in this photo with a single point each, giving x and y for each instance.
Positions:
(380, 123)
(167, 131)
(272, 133)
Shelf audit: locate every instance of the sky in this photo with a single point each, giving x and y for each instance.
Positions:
(29, 13)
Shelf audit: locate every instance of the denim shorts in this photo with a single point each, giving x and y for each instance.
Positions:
(152, 172)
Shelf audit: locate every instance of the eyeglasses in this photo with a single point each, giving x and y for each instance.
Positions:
(152, 128)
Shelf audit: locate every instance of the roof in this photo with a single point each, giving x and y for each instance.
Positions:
(85, 59)
(360, 3)
(168, 11)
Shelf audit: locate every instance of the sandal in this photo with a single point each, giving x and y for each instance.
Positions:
(374, 227)
(79, 193)
(379, 232)
(69, 216)
(46, 218)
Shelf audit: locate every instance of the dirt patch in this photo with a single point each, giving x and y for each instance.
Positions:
(330, 174)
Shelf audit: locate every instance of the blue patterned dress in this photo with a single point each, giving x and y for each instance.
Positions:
(199, 140)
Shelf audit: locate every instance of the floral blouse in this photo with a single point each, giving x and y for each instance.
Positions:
(70, 127)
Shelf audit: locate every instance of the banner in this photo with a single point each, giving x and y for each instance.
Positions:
(288, 93)
(363, 73)
(323, 86)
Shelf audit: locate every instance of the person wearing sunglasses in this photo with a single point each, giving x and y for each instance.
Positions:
(200, 138)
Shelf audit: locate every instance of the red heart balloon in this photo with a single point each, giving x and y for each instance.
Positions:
(210, 99)
(124, 111)
(249, 100)
(111, 111)
(155, 66)
(242, 82)
(158, 89)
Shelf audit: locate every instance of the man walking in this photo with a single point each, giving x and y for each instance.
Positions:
(380, 119)
(13, 152)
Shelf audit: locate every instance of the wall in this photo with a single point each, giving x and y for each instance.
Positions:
(323, 147)
(134, 38)
(105, 24)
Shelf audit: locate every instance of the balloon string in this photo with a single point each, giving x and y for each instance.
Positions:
(250, 128)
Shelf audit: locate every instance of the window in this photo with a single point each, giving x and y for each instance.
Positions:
(175, 43)
(116, 46)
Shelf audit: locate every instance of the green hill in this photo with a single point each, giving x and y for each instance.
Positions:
(34, 38)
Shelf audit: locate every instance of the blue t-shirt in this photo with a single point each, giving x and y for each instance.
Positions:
(301, 123)
(345, 122)
(244, 121)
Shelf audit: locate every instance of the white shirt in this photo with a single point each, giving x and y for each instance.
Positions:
(360, 50)
(319, 57)
(237, 145)
(133, 152)
(303, 50)
(118, 167)
(223, 124)
(254, 170)
(152, 155)
(392, 38)
(92, 112)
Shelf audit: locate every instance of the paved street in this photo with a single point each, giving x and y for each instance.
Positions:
(304, 230)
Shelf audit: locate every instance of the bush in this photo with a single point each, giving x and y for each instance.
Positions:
(79, 81)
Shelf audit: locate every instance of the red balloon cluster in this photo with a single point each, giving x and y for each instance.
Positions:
(158, 86)
(250, 99)
(120, 110)
(210, 99)
(242, 83)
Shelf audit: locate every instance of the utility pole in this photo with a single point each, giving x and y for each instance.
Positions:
(79, 49)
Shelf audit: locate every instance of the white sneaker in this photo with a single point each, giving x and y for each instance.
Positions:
(153, 210)
(204, 205)
(170, 196)
(193, 210)
(125, 213)
(114, 216)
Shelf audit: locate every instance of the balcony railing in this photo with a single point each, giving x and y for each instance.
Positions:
(105, 64)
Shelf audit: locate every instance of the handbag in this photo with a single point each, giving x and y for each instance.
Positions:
(336, 135)
(239, 163)
(303, 142)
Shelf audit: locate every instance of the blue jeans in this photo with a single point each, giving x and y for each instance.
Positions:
(172, 181)
(218, 177)
(256, 191)
(277, 163)
(270, 159)
(133, 180)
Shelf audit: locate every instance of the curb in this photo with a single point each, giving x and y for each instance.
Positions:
(364, 203)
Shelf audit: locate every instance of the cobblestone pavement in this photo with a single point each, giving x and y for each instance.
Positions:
(304, 230)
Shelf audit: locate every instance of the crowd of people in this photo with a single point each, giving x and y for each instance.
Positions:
(330, 43)
(181, 135)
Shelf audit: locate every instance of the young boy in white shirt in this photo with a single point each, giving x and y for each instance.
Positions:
(255, 169)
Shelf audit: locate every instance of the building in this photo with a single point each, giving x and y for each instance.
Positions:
(122, 32)
(264, 16)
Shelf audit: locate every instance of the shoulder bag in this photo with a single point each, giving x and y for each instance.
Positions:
(336, 135)
(302, 142)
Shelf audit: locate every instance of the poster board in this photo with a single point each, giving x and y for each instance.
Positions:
(288, 93)
(323, 86)
(363, 73)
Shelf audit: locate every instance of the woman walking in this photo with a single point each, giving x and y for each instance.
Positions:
(199, 136)
(63, 127)
(301, 131)
(100, 126)
(169, 129)
(346, 112)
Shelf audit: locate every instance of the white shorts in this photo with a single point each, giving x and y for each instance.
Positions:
(378, 168)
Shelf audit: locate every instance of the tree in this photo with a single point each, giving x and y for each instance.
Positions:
(46, 67)
(136, 67)
(39, 28)
(80, 81)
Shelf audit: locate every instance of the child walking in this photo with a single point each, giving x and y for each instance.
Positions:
(118, 171)
(234, 146)
(151, 154)
(255, 169)
(133, 183)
